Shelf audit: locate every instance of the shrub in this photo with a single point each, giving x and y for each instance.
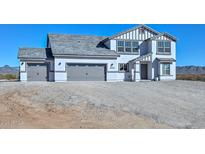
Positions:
(192, 77)
(8, 76)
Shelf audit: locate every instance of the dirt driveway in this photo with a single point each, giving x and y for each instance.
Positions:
(178, 104)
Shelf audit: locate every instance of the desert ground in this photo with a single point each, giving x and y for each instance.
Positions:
(164, 104)
(193, 77)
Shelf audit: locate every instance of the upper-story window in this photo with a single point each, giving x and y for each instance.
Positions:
(135, 46)
(164, 47)
(120, 46)
(128, 46)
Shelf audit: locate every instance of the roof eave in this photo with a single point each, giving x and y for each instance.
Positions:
(171, 36)
(85, 56)
(164, 34)
(30, 58)
(166, 59)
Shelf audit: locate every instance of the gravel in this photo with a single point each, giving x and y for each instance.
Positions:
(180, 104)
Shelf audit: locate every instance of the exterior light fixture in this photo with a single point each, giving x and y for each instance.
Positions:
(112, 66)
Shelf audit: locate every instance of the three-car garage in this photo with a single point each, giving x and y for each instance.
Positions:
(74, 71)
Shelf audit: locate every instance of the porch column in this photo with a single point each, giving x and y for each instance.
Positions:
(137, 70)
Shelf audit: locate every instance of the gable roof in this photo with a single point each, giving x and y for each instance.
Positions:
(166, 35)
(79, 45)
(136, 27)
(34, 53)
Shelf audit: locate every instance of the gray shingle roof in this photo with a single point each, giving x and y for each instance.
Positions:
(34, 53)
(83, 45)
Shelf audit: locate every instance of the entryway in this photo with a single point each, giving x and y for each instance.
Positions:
(143, 70)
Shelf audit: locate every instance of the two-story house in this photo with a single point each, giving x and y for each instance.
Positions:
(140, 53)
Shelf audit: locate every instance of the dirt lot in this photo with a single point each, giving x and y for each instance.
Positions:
(170, 104)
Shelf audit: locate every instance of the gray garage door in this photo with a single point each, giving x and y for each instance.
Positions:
(86, 72)
(37, 72)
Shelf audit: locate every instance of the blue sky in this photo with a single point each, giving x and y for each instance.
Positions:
(190, 44)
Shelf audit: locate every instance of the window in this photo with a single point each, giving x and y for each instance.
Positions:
(167, 46)
(164, 47)
(135, 46)
(123, 67)
(120, 46)
(128, 46)
(160, 46)
(165, 69)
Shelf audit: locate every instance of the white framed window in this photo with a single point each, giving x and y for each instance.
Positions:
(120, 46)
(164, 47)
(165, 69)
(128, 46)
(167, 47)
(123, 67)
(135, 47)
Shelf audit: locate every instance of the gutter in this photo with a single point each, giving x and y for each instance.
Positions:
(86, 56)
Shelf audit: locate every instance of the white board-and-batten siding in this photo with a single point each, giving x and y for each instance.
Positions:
(135, 35)
(164, 38)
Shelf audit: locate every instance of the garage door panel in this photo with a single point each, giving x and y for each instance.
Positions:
(94, 78)
(75, 73)
(95, 73)
(37, 72)
(85, 72)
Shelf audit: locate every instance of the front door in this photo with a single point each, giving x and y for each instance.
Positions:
(144, 72)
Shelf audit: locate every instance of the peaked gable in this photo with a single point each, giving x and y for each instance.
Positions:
(141, 32)
(164, 36)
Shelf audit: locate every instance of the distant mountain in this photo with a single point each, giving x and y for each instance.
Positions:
(9, 70)
(190, 70)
